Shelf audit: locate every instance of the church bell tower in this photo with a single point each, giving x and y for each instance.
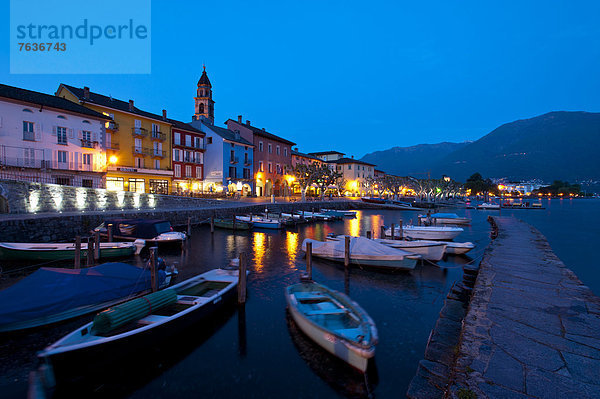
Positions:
(205, 106)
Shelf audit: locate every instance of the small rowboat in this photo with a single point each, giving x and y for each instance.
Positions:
(315, 215)
(426, 232)
(122, 330)
(260, 222)
(228, 224)
(338, 212)
(65, 251)
(488, 206)
(432, 251)
(333, 321)
(452, 248)
(444, 218)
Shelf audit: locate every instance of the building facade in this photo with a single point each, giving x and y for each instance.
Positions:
(299, 158)
(204, 107)
(47, 139)
(327, 156)
(272, 157)
(188, 158)
(356, 173)
(138, 143)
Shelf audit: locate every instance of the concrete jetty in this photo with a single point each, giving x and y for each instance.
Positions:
(532, 328)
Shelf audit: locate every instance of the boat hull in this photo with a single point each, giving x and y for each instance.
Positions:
(430, 234)
(455, 221)
(228, 224)
(429, 252)
(404, 264)
(64, 254)
(91, 359)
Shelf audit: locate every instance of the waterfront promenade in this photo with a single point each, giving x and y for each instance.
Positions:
(532, 328)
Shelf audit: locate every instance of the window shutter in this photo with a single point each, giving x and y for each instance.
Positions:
(80, 134)
(38, 132)
(54, 130)
(71, 133)
(0, 121)
(72, 160)
(138, 123)
(94, 136)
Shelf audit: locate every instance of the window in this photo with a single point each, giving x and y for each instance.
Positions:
(28, 131)
(61, 134)
(61, 117)
(86, 139)
(232, 145)
(177, 138)
(186, 156)
(245, 158)
(198, 142)
(61, 156)
(285, 151)
(155, 128)
(232, 156)
(137, 185)
(232, 172)
(27, 110)
(159, 186)
(114, 183)
(270, 148)
(177, 170)
(201, 107)
(139, 162)
(89, 183)
(188, 171)
(270, 167)
(349, 167)
(246, 173)
(198, 158)
(62, 180)
(157, 164)
(87, 159)
(209, 140)
(176, 155)
(260, 146)
(278, 168)
(278, 150)
(261, 168)
(29, 157)
(85, 121)
(199, 172)
(188, 140)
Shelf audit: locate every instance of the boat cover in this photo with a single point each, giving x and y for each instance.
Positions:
(360, 248)
(445, 215)
(50, 291)
(138, 228)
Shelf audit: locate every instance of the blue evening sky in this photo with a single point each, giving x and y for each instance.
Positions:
(360, 76)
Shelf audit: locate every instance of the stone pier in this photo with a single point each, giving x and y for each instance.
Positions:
(532, 328)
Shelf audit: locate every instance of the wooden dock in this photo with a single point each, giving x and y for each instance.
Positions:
(532, 328)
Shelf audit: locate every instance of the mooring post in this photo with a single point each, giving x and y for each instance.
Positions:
(309, 260)
(90, 251)
(369, 234)
(96, 245)
(382, 232)
(212, 224)
(400, 230)
(242, 279)
(153, 266)
(77, 252)
(347, 251)
(109, 232)
(393, 228)
(189, 229)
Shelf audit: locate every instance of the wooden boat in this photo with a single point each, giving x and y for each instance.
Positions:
(153, 231)
(372, 200)
(426, 232)
(488, 206)
(136, 325)
(333, 321)
(229, 224)
(444, 218)
(432, 251)
(261, 222)
(364, 252)
(59, 251)
(452, 248)
(315, 215)
(338, 212)
(50, 295)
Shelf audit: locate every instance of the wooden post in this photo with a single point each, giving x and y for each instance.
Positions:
(400, 230)
(309, 260)
(369, 234)
(313, 214)
(382, 232)
(189, 229)
(242, 279)
(153, 271)
(90, 251)
(109, 232)
(347, 251)
(212, 224)
(77, 252)
(96, 245)
(393, 228)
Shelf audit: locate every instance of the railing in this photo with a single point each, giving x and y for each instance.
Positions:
(20, 162)
(157, 135)
(139, 131)
(141, 151)
(36, 176)
(29, 136)
(112, 125)
(234, 159)
(112, 146)
(247, 162)
(158, 153)
(88, 143)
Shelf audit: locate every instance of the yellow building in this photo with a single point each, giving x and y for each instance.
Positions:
(138, 143)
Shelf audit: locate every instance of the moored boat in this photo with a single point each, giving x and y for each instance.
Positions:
(333, 321)
(315, 215)
(373, 200)
(339, 212)
(488, 206)
(364, 252)
(231, 224)
(432, 251)
(154, 231)
(136, 325)
(63, 251)
(426, 232)
(50, 295)
(452, 248)
(261, 222)
(444, 218)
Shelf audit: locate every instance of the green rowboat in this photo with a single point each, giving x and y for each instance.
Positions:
(63, 251)
(228, 224)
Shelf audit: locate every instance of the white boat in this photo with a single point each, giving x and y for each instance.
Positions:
(261, 222)
(339, 212)
(444, 218)
(432, 251)
(316, 215)
(364, 252)
(426, 232)
(134, 325)
(63, 251)
(488, 205)
(333, 321)
(452, 248)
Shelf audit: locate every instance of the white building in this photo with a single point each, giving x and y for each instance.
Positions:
(48, 139)
(356, 173)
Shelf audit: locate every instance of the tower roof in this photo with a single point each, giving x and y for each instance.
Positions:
(204, 79)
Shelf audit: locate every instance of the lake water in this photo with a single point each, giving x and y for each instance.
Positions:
(257, 352)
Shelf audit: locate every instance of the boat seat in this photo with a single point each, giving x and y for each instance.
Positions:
(326, 312)
(308, 296)
(350, 333)
(153, 318)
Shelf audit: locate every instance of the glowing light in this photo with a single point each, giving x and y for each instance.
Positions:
(101, 199)
(34, 201)
(120, 198)
(259, 249)
(80, 196)
(136, 200)
(501, 187)
(57, 196)
(290, 179)
(291, 243)
(355, 225)
(259, 176)
(195, 186)
(113, 159)
(151, 201)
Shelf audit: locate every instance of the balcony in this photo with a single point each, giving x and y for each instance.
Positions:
(112, 125)
(141, 151)
(158, 153)
(112, 146)
(247, 162)
(88, 143)
(157, 135)
(29, 136)
(234, 160)
(139, 132)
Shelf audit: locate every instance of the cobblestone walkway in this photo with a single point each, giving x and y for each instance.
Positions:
(532, 329)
